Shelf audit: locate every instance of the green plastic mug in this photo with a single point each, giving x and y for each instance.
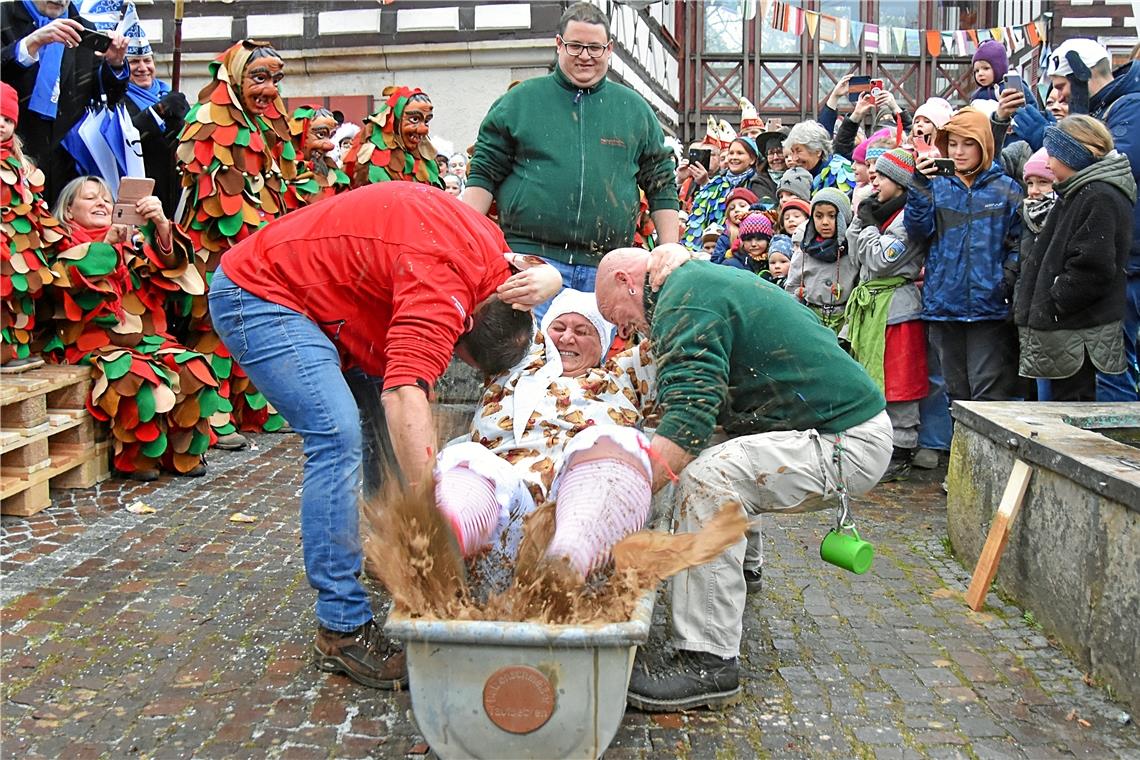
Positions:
(847, 550)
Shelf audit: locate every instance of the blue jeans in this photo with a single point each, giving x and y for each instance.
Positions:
(577, 276)
(1122, 387)
(935, 427)
(297, 367)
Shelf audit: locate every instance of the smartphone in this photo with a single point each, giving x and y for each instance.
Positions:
(945, 167)
(702, 156)
(1012, 82)
(131, 190)
(97, 41)
(856, 86)
(774, 125)
(876, 86)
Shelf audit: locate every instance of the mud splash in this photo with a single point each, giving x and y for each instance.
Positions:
(410, 549)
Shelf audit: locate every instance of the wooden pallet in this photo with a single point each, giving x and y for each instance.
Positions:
(47, 437)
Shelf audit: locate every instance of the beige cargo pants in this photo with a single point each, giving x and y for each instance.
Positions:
(793, 471)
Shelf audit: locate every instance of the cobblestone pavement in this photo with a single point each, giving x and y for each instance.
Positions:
(181, 633)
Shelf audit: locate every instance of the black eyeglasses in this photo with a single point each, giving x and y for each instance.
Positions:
(594, 50)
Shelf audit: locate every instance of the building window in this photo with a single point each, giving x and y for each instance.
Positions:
(724, 27)
(722, 86)
(848, 9)
(780, 86)
(773, 42)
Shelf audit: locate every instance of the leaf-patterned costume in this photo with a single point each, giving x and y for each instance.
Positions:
(316, 179)
(27, 229)
(235, 170)
(110, 312)
(378, 153)
(709, 205)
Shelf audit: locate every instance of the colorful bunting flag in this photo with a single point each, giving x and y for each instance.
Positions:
(828, 28)
(1031, 33)
(898, 44)
(871, 37)
(788, 18)
(933, 42)
(843, 37)
(812, 20)
(913, 41)
(886, 39)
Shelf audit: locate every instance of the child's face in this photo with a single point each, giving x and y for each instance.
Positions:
(1038, 187)
(783, 195)
(778, 264)
(886, 189)
(756, 248)
(451, 185)
(7, 128)
(922, 126)
(861, 173)
(737, 210)
(708, 246)
(983, 74)
(967, 153)
(793, 219)
(823, 215)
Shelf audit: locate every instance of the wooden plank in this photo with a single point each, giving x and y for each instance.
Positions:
(998, 536)
(29, 436)
(35, 498)
(87, 472)
(42, 381)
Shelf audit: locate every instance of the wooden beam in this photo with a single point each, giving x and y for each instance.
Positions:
(1007, 511)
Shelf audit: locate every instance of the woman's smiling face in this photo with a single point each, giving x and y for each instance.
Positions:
(578, 343)
(91, 208)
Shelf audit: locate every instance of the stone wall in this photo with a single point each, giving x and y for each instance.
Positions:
(1073, 557)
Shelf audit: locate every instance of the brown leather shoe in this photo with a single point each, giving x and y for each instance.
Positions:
(364, 655)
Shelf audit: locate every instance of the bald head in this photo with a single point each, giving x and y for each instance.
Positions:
(620, 288)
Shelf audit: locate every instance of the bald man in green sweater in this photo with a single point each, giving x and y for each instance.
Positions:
(799, 417)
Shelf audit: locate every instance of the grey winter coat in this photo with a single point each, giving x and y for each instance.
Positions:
(890, 253)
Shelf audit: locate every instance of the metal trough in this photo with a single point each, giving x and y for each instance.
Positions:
(483, 689)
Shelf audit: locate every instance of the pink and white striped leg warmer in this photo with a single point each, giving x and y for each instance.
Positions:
(600, 502)
(467, 500)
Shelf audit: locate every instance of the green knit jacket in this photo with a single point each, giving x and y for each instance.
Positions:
(565, 165)
(735, 350)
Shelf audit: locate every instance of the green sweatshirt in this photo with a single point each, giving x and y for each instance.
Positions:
(565, 164)
(735, 350)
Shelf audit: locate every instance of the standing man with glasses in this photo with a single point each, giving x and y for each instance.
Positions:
(566, 157)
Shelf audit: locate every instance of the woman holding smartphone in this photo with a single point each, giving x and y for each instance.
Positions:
(112, 288)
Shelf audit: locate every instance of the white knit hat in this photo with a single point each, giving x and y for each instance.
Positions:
(1091, 53)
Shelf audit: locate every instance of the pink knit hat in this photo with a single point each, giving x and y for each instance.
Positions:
(860, 153)
(1038, 166)
(756, 224)
(938, 110)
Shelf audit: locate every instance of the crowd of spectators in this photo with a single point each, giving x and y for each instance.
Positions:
(982, 250)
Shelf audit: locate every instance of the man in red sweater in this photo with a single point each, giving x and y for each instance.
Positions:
(381, 286)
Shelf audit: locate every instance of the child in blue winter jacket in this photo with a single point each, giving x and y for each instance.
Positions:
(973, 223)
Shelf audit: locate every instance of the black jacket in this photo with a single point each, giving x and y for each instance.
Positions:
(159, 141)
(1074, 277)
(79, 78)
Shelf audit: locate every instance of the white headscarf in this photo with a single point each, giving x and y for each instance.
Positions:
(530, 388)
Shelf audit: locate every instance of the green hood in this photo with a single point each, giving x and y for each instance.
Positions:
(1114, 169)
